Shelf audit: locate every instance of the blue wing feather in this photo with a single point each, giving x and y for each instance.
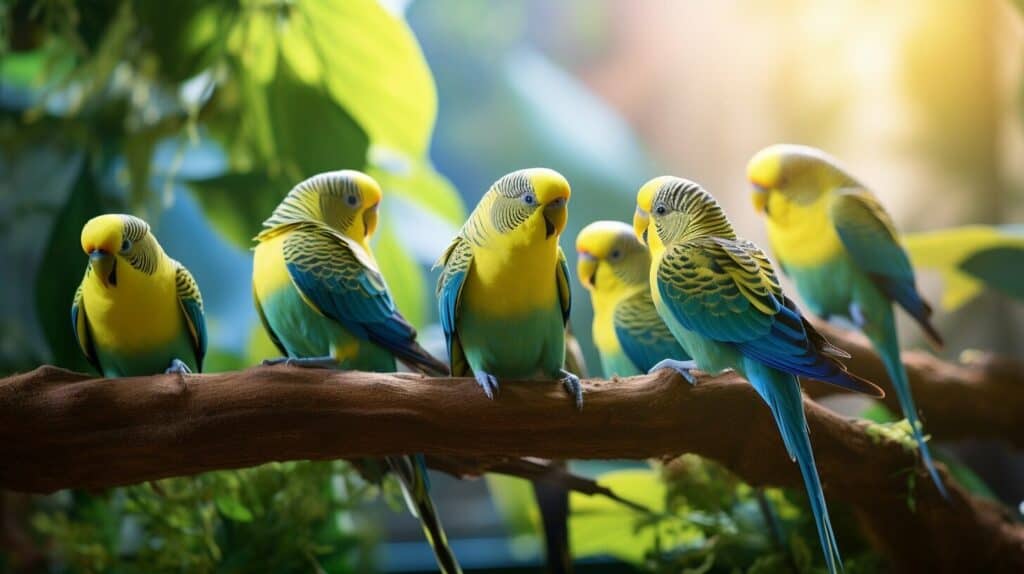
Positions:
(192, 306)
(741, 303)
(868, 236)
(336, 278)
(456, 262)
(643, 336)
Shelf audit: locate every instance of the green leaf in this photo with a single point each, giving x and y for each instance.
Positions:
(63, 265)
(311, 132)
(600, 526)
(417, 182)
(232, 508)
(305, 133)
(237, 203)
(372, 66)
(1000, 268)
(405, 279)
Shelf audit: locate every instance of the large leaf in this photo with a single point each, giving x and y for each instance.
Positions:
(371, 64)
(63, 265)
(416, 181)
(600, 526)
(307, 132)
(403, 274)
(971, 258)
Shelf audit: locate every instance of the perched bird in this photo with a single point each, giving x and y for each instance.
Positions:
(323, 302)
(504, 287)
(834, 239)
(504, 305)
(720, 298)
(628, 332)
(137, 311)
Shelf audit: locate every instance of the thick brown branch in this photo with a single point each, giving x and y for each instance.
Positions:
(62, 429)
(983, 399)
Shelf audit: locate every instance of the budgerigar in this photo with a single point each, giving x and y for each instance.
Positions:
(614, 267)
(137, 312)
(324, 303)
(504, 288)
(834, 238)
(720, 297)
(504, 300)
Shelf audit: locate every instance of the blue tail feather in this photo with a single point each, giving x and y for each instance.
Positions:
(887, 344)
(782, 393)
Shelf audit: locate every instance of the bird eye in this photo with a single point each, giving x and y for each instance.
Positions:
(661, 210)
(615, 254)
(352, 200)
(125, 245)
(529, 199)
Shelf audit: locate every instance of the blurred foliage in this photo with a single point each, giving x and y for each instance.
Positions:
(201, 115)
(702, 519)
(971, 258)
(269, 93)
(281, 517)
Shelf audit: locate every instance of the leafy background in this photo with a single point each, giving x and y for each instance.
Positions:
(199, 116)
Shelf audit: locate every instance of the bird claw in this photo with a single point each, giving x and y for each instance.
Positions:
(304, 362)
(488, 382)
(178, 366)
(684, 369)
(572, 386)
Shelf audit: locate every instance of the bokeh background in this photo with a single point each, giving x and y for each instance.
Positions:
(199, 116)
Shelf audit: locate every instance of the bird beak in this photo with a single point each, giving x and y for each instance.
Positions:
(760, 198)
(104, 265)
(641, 221)
(556, 213)
(586, 269)
(370, 220)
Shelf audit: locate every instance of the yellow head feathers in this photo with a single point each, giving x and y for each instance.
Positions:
(520, 208)
(108, 238)
(800, 173)
(610, 257)
(346, 200)
(680, 210)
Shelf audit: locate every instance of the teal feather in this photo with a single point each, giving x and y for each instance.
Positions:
(643, 336)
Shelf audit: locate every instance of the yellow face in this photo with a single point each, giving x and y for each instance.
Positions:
(106, 239)
(528, 203)
(552, 194)
(782, 175)
(610, 257)
(644, 201)
(764, 172)
(354, 208)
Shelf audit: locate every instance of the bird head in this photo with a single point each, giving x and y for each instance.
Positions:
(529, 203)
(345, 200)
(117, 238)
(610, 257)
(679, 209)
(784, 173)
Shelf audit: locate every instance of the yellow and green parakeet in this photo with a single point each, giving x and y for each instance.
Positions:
(504, 287)
(137, 311)
(720, 298)
(324, 302)
(834, 238)
(504, 305)
(613, 265)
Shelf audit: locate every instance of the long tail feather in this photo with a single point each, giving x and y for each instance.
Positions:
(782, 393)
(420, 360)
(883, 337)
(553, 501)
(412, 476)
